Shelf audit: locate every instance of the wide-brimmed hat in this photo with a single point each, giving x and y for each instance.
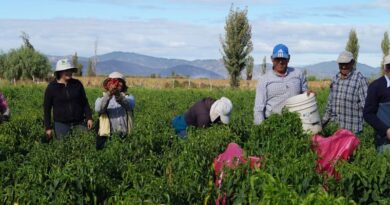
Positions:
(221, 108)
(117, 75)
(65, 64)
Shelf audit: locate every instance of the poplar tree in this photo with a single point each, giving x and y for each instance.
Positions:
(249, 68)
(90, 71)
(236, 44)
(353, 45)
(264, 66)
(75, 61)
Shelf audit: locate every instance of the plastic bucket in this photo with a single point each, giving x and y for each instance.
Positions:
(306, 107)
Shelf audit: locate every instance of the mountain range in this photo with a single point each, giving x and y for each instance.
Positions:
(134, 64)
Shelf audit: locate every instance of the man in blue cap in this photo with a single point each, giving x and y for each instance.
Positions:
(275, 87)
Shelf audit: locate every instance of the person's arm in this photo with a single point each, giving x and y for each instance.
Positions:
(87, 109)
(328, 109)
(362, 91)
(304, 86)
(47, 107)
(101, 104)
(260, 101)
(370, 111)
(125, 101)
(4, 109)
(6, 114)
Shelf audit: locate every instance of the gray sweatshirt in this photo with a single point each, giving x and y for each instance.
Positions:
(116, 108)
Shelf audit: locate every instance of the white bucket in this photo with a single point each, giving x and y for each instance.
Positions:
(306, 107)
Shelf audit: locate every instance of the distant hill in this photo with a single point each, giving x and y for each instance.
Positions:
(189, 70)
(109, 66)
(330, 68)
(143, 60)
(135, 64)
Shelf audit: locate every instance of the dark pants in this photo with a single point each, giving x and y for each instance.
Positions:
(101, 140)
(62, 130)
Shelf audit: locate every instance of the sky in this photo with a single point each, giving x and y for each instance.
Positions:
(314, 31)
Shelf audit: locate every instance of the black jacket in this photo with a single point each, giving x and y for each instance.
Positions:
(377, 93)
(199, 114)
(69, 103)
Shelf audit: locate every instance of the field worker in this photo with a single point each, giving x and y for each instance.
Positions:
(377, 108)
(115, 109)
(4, 109)
(275, 87)
(202, 114)
(348, 91)
(66, 97)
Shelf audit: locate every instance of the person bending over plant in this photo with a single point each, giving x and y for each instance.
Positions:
(202, 114)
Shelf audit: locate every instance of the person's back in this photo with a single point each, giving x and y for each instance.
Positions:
(199, 114)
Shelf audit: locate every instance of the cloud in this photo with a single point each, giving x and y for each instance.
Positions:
(153, 37)
(382, 4)
(173, 39)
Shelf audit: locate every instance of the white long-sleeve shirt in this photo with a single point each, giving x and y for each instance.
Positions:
(273, 90)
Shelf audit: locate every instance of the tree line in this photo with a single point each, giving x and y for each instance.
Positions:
(26, 63)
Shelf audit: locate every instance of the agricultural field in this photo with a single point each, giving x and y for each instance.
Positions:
(152, 166)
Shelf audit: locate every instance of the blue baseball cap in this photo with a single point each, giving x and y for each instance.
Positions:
(280, 51)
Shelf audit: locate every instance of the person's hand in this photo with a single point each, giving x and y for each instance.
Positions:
(388, 134)
(112, 89)
(89, 124)
(49, 134)
(309, 92)
(118, 95)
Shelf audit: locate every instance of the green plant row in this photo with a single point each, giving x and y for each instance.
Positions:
(152, 166)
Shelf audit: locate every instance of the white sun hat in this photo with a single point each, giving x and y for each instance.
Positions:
(345, 57)
(64, 64)
(387, 60)
(221, 108)
(116, 75)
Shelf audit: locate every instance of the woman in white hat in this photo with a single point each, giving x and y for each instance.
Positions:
(202, 114)
(115, 109)
(66, 97)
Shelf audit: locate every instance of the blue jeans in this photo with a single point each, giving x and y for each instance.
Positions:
(62, 130)
(180, 125)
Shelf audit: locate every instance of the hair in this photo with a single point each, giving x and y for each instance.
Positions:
(57, 74)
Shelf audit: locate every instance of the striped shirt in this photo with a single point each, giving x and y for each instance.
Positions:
(273, 90)
(346, 101)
